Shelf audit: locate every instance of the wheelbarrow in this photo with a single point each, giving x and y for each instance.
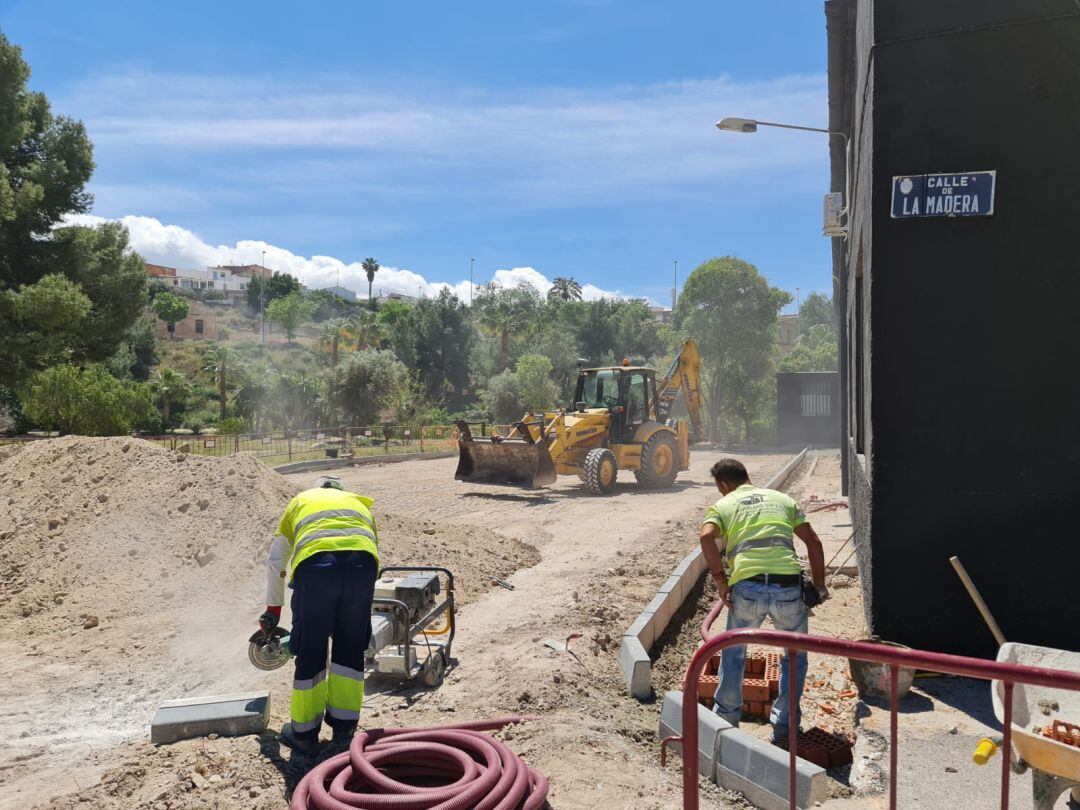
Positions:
(1055, 765)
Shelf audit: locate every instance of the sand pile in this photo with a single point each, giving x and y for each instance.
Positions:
(131, 574)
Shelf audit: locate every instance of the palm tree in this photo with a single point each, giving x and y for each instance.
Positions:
(565, 289)
(252, 394)
(504, 312)
(216, 362)
(371, 267)
(170, 387)
(335, 334)
(365, 331)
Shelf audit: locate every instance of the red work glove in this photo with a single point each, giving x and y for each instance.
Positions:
(269, 619)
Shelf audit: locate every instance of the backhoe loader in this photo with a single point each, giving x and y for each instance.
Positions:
(620, 419)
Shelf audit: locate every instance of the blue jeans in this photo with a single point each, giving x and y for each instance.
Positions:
(751, 602)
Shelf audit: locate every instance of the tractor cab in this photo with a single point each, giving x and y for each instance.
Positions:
(627, 392)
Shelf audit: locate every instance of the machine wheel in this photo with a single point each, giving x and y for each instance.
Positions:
(659, 461)
(434, 670)
(599, 471)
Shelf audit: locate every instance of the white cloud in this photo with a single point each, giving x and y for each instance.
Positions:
(174, 246)
(541, 146)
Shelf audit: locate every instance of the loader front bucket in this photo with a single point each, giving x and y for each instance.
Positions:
(504, 462)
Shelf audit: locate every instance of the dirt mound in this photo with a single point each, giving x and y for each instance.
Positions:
(131, 574)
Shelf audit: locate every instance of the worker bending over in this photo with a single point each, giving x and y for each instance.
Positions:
(327, 537)
(754, 528)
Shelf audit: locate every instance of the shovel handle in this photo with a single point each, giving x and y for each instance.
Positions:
(973, 592)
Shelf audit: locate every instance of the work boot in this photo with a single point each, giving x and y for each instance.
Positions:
(307, 747)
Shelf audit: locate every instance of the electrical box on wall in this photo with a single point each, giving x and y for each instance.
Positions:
(832, 214)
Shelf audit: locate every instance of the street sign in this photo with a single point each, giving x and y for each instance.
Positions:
(964, 194)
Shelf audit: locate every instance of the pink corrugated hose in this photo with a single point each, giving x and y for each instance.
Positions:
(475, 771)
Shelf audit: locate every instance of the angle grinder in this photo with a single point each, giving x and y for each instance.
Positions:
(268, 647)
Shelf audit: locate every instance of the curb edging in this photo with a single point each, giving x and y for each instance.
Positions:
(638, 639)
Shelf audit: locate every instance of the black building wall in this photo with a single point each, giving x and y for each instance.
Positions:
(808, 406)
(961, 361)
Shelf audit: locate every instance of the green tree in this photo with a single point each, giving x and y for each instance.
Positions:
(816, 309)
(170, 387)
(505, 312)
(45, 163)
(366, 331)
(217, 362)
(501, 398)
(537, 391)
(365, 383)
(252, 396)
(170, 308)
(816, 349)
(89, 401)
(730, 309)
(44, 320)
(301, 397)
(371, 267)
(334, 335)
(270, 289)
(564, 289)
(290, 313)
(435, 339)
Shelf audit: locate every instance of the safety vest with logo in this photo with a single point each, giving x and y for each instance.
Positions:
(757, 526)
(328, 519)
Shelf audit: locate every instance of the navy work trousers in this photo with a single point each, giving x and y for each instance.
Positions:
(332, 593)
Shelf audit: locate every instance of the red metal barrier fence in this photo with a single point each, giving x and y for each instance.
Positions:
(983, 669)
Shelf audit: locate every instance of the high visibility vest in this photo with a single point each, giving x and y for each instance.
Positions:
(757, 525)
(327, 519)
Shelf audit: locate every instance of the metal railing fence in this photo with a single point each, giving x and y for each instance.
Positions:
(1008, 674)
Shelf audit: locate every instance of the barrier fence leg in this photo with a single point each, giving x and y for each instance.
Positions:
(894, 705)
(793, 724)
(1006, 745)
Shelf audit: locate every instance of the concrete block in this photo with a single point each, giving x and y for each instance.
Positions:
(636, 667)
(661, 608)
(673, 586)
(643, 629)
(686, 564)
(710, 727)
(226, 715)
(746, 759)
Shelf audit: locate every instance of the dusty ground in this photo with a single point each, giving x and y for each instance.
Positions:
(130, 575)
(165, 551)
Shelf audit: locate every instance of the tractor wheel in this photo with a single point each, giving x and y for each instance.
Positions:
(659, 461)
(599, 471)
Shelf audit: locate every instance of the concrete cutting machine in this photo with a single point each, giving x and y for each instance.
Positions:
(413, 623)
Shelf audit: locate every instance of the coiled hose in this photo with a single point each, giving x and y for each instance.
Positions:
(475, 771)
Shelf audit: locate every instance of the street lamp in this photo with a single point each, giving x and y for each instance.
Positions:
(262, 307)
(471, 263)
(751, 125)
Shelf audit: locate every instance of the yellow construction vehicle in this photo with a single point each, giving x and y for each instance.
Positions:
(620, 420)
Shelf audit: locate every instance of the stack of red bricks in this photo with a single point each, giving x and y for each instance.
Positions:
(823, 748)
(761, 684)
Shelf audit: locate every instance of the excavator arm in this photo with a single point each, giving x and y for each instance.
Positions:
(684, 375)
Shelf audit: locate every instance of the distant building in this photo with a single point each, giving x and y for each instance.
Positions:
(341, 292)
(662, 314)
(160, 271)
(200, 324)
(212, 278)
(789, 333)
(383, 297)
(245, 270)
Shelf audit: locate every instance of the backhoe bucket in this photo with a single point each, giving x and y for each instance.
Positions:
(504, 462)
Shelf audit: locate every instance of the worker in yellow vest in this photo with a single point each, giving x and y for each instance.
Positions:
(328, 540)
(753, 530)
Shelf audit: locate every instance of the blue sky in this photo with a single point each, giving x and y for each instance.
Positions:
(571, 137)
